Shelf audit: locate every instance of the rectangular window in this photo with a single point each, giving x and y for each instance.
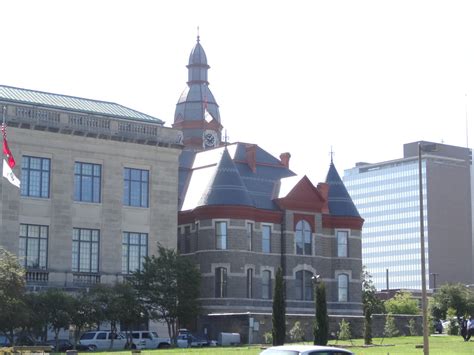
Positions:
(135, 187)
(85, 250)
(249, 235)
(221, 282)
(187, 239)
(35, 175)
(342, 237)
(221, 235)
(87, 179)
(249, 283)
(134, 251)
(266, 239)
(33, 251)
(266, 284)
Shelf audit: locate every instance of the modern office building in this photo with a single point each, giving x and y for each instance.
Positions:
(98, 188)
(387, 197)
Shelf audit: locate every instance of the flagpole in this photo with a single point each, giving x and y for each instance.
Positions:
(4, 110)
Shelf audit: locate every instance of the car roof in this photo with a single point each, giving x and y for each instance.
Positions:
(301, 348)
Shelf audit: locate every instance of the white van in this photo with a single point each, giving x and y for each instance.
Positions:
(144, 339)
(101, 340)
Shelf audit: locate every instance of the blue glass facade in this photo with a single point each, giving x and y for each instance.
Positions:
(387, 197)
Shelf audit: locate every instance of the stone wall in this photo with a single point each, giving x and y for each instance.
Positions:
(252, 327)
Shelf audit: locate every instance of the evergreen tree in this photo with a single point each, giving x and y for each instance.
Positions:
(321, 325)
(279, 310)
(370, 303)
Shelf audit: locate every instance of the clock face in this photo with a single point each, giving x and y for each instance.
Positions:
(209, 139)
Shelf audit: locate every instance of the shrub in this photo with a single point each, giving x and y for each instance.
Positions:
(297, 332)
(390, 329)
(453, 326)
(412, 327)
(268, 338)
(344, 330)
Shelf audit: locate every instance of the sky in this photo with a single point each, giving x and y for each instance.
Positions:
(358, 78)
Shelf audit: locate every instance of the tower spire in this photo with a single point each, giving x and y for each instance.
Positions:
(198, 37)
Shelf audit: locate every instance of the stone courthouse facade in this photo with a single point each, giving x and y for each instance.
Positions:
(243, 214)
(98, 188)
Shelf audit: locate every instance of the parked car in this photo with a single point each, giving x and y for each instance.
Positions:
(305, 350)
(190, 341)
(144, 339)
(65, 345)
(4, 341)
(101, 340)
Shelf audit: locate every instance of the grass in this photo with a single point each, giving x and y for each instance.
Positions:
(439, 345)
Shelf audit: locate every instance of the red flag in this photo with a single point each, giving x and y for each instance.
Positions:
(6, 149)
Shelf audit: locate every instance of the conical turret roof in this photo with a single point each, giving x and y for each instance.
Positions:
(339, 200)
(226, 186)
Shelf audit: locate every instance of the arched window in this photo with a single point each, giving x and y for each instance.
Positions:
(303, 238)
(342, 287)
(266, 284)
(342, 237)
(304, 285)
(221, 282)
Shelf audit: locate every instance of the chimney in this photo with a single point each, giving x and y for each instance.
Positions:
(251, 156)
(323, 188)
(285, 159)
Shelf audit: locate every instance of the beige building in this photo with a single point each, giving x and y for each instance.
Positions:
(98, 187)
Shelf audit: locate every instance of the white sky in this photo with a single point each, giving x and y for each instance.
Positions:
(300, 76)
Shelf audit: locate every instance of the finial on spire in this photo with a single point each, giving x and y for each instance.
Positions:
(198, 34)
(225, 138)
(331, 153)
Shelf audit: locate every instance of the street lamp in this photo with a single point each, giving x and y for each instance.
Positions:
(427, 147)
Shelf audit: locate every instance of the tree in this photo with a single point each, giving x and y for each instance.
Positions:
(456, 296)
(58, 305)
(279, 310)
(12, 290)
(370, 303)
(321, 325)
(83, 314)
(402, 303)
(117, 304)
(169, 287)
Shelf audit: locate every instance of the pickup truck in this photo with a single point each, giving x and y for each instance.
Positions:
(144, 339)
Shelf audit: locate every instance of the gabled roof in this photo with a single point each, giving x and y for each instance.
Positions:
(304, 196)
(226, 186)
(72, 103)
(340, 202)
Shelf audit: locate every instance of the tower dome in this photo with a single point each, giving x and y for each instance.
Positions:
(197, 112)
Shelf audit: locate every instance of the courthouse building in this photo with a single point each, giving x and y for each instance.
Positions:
(244, 213)
(98, 188)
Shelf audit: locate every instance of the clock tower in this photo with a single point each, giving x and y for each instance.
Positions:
(197, 113)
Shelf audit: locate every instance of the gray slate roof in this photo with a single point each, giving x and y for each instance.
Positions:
(205, 175)
(339, 200)
(226, 186)
(78, 104)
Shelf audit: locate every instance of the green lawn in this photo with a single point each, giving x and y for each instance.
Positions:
(444, 345)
